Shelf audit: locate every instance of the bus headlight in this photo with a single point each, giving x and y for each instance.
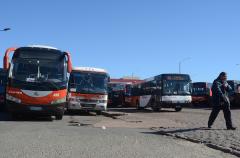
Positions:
(59, 101)
(11, 98)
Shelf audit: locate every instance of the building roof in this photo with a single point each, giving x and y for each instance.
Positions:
(127, 81)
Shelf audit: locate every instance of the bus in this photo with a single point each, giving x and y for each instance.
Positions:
(163, 91)
(116, 94)
(131, 97)
(120, 92)
(201, 94)
(37, 80)
(235, 94)
(3, 81)
(87, 89)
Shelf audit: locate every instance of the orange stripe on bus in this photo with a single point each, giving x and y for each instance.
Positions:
(46, 100)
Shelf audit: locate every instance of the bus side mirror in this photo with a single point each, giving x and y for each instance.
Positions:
(69, 62)
(6, 63)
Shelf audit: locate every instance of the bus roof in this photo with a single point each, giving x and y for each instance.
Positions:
(89, 69)
(201, 82)
(149, 79)
(38, 52)
(164, 75)
(41, 46)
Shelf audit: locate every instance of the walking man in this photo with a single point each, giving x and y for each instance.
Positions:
(220, 89)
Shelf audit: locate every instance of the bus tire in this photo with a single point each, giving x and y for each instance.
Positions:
(99, 112)
(177, 109)
(59, 117)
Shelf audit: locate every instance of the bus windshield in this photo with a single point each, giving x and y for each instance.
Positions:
(172, 87)
(88, 82)
(199, 91)
(34, 70)
(116, 87)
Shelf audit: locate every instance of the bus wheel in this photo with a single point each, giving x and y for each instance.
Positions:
(59, 117)
(99, 112)
(177, 109)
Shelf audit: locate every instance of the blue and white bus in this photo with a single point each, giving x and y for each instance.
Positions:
(164, 91)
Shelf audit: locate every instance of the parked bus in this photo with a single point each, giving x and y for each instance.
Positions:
(116, 94)
(201, 93)
(131, 95)
(3, 81)
(87, 89)
(235, 94)
(37, 80)
(163, 91)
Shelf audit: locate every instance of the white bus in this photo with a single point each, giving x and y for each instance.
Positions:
(163, 91)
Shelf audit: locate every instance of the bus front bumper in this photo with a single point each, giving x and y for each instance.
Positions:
(54, 109)
(175, 101)
(86, 106)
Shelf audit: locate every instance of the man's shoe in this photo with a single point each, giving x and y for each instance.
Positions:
(209, 126)
(231, 128)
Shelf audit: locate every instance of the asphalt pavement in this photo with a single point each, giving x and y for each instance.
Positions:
(89, 136)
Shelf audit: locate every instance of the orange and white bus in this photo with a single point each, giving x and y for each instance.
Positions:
(37, 80)
(88, 89)
(131, 97)
(201, 94)
(116, 94)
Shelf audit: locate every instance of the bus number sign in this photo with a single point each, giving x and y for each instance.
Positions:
(175, 78)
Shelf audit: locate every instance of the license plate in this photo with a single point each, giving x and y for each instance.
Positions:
(35, 108)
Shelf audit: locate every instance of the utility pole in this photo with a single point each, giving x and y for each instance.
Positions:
(180, 63)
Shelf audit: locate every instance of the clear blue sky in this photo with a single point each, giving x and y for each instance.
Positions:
(143, 37)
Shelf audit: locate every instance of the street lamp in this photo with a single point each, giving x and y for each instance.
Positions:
(180, 63)
(5, 29)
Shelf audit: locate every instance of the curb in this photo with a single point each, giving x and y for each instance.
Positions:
(210, 145)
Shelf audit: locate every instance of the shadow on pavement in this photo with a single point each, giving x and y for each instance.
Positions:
(7, 117)
(165, 131)
(134, 110)
(129, 110)
(79, 113)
